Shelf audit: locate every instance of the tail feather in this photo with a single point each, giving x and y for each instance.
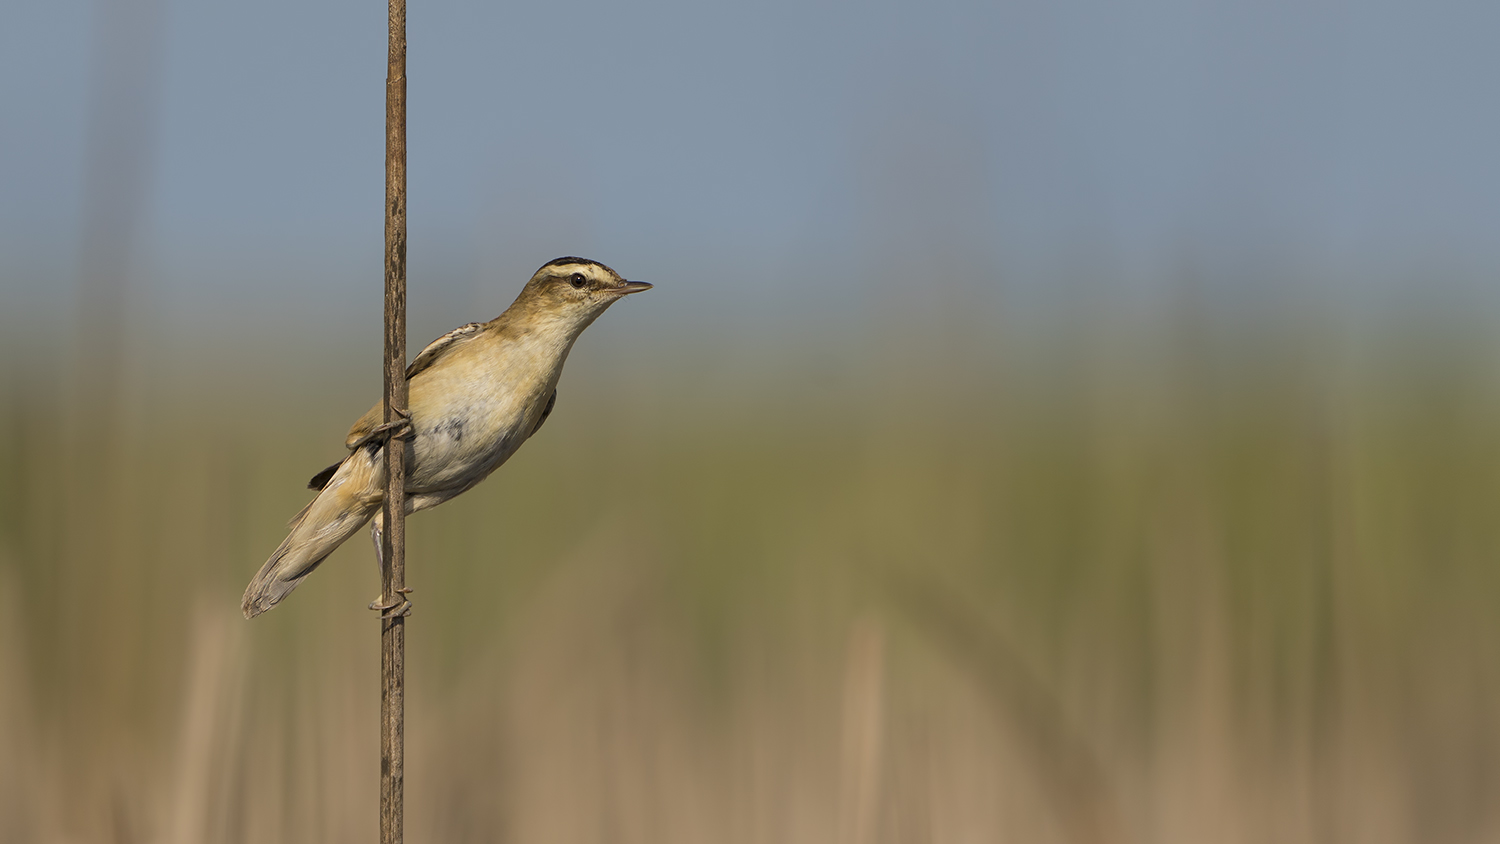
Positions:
(347, 502)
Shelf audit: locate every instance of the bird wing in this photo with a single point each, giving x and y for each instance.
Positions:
(440, 347)
(321, 479)
(435, 351)
(546, 411)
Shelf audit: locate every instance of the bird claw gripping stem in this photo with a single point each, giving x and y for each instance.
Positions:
(397, 429)
(396, 608)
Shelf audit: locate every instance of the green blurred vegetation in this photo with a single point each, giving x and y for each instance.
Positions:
(1170, 579)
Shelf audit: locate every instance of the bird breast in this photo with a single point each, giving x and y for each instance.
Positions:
(471, 415)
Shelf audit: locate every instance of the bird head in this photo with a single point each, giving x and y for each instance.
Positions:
(574, 292)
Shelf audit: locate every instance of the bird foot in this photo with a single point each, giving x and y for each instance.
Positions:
(398, 607)
(396, 429)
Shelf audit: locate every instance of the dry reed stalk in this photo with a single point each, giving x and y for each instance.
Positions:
(211, 713)
(863, 733)
(393, 538)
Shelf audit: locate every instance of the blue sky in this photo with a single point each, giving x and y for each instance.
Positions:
(755, 149)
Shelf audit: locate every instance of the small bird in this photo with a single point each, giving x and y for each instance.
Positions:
(475, 394)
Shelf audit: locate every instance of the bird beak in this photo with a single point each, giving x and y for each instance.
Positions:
(630, 287)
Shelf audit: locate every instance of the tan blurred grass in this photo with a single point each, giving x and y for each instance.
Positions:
(1146, 587)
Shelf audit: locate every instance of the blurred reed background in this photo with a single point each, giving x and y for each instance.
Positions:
(936, 503)
(1131, 585)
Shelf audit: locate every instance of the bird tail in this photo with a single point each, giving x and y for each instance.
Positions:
(348, 501)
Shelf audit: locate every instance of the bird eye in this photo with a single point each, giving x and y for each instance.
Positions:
(577, 280)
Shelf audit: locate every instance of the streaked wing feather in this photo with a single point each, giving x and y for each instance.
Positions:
(442, 346)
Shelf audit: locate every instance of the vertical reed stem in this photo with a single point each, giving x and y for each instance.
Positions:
(393, 539)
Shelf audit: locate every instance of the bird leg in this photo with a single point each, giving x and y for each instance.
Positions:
(398, 607)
